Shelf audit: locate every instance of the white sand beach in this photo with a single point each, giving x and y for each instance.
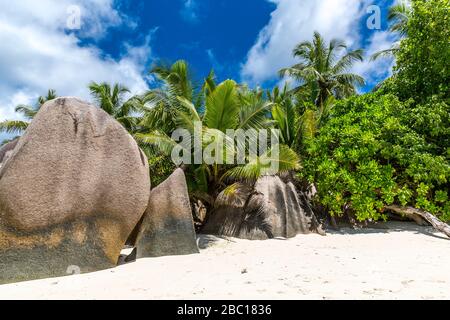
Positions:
(393, 261)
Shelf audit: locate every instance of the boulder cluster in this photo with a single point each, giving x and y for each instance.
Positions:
(75, 190)
(72, 190)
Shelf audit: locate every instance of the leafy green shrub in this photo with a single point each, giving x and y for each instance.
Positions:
(423, 58)
(375, 151)
(161, 167)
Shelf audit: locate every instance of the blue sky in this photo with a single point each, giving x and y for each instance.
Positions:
(206, 33)
(119, 40)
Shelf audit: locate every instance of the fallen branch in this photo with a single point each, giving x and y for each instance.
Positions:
(403, 215)
(413, 212)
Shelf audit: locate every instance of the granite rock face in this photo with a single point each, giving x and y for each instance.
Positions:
(271, 209)
(167, 227)
(7, 149)
(71, 192)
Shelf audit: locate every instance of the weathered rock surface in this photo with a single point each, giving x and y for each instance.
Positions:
(272, 209)
(7, 149)
(71, 192)
(167, 227)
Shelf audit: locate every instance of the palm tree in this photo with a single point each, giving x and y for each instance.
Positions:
(398, 18)
(323, 69)
(297, 118)
(285, 114)
(226, 106)
(112, 100)
(28, 112)
(161, 103)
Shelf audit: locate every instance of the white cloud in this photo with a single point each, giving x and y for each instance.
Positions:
(39, 53)
(294, 21)
(374, 71)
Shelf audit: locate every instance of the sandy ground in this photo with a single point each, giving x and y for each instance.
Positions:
(395, 261)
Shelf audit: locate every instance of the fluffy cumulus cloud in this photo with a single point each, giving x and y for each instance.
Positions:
(374, 71)
(39, 51)
(294, 21)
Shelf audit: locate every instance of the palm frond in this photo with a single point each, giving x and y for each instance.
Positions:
(160, 140)
(350, 79)
(186, 115)
(218, 145)
(27, 111)
(13, 126)
(209, 84)
(254, 115)
(348, 60)
(222, 109)
(285, 119)
(398, 16)
(278, 159)
(308, 125)
(51, 94)
(235, 195)
(318, 73)
(387, 53)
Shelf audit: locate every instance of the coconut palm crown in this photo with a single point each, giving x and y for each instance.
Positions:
(323, 69)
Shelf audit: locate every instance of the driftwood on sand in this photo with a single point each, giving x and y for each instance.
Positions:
(418, 215)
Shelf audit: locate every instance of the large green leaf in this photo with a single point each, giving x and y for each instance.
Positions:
(284, 160)
(222, 108)
(157, 139)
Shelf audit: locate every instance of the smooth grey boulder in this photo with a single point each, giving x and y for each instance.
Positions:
(71, 192)
(167, 227)
(269, 209)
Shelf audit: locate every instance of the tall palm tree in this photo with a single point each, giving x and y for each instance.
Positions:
(398, 17)
(28, 112)
(323, 69)
(112, 100)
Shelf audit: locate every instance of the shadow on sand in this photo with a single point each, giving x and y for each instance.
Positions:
(388, 227)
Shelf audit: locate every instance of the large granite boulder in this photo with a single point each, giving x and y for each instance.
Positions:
(272, 208)
(167, 227)
(7, 149)
(71, 192)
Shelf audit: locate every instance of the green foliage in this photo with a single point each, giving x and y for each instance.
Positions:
(217, 108)
(111, 99)
(423, 57)
(161, 167)
(363, 153)
(285, 114)
(398, 17)
(222, 107)
(392, 147)
(371, 153)
(28, 112)
(323, 70)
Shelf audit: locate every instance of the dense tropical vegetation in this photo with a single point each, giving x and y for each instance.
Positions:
(392, 146)
(363, 153)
